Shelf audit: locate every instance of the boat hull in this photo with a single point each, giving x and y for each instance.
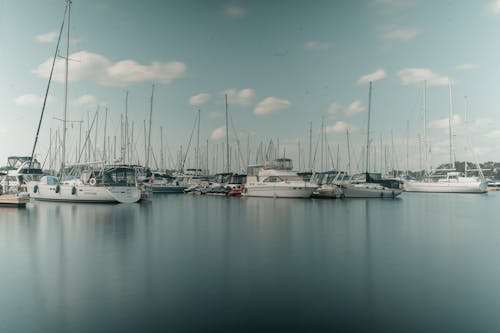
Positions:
(84, 193)
(167, 188)
(14, 200)
(278, 191)
(368, 191)
(445, 187)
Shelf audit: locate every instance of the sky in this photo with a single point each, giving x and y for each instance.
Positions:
(286, 67)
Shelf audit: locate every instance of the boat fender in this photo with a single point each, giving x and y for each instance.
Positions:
(73, 190)
(92, 181)
(393, 195)
(58, 188)
(35, 189)
(381, 194)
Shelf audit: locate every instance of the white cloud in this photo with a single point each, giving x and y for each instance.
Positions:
(445, 122)
(354, 108)
(271, 105)
(218, 133)
(235, 11)
(199, 99)
(350, 110)
(339, 127)
(32, 100)
(402, 34)
(375, 76)
(49, 37)
(88, 66)
(415, 76)
(86, 100)
(464, 67)
(315, 45)
(493, 7)
(244, 97)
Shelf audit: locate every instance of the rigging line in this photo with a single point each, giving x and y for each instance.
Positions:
(48, 86)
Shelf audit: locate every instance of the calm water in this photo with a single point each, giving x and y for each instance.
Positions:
(210, 264)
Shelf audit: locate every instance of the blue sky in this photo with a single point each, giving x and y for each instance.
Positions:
(282, 64)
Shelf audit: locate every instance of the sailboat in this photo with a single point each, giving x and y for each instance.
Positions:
(368, 187)
(113, 184)
(449, 180)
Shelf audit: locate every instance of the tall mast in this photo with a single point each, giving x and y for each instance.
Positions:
(197, 153)
(310, 146)
(105, 129)
(227, 140)
(162, 162)
(63, 158)
(348, 153)
(426, 150)
(149, 131)
(368, 129)
(322, 143)
(450, 125)
(125, 126)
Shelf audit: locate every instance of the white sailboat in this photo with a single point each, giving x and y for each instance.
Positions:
(114, 184)
(368, 187)
(451, 181)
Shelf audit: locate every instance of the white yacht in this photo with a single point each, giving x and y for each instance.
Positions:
(110, 184)
(19, 171)
(452, 182)
(276, 179)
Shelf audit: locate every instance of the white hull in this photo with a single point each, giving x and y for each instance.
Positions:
(84, 193)
(278, 190)
(368, 190)
(445, 187)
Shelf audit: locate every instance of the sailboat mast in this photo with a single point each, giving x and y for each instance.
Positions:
(162, 161)
(149, 131)
(125, 127)
(197, 153)
(63, 158)
(227, 140)
(426, 150)
(368, 129)
(450, 124)
(310, 146)
(348, 152)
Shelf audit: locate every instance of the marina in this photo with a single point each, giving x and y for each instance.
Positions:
(249, 166)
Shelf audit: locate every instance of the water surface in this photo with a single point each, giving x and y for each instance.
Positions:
(421, 263)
